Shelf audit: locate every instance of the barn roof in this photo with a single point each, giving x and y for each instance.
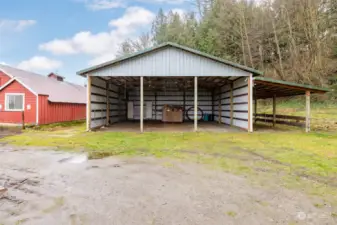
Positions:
(58, 91)
(165, 45)
(266, 88)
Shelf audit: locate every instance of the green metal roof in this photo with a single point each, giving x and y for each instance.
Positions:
(304, 86)
(253, 71)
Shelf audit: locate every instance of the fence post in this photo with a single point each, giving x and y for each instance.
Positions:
(23, 119)
(274, 110)
(307, 111)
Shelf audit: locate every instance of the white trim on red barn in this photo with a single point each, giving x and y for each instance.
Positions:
(15, 94)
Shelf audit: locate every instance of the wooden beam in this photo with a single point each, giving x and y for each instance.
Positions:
(255, 108)
(141, 104)
(307, 111)
(195, 104)
(250, 102)
(231, 104)
(274, 110)
(219, 108)
(88, 103)
(107, 102)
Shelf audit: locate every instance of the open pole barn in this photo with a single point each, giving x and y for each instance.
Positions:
(174, 88)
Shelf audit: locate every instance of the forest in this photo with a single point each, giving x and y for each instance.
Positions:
(292, 40)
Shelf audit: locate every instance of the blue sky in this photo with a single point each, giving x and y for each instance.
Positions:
(65, 36)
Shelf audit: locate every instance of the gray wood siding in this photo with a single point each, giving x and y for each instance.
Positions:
(240, 103)
(169, 62)
(171, 97)
(117, 103)
(98, 102)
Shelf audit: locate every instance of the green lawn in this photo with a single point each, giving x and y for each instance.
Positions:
(323, 113)
(293, 159)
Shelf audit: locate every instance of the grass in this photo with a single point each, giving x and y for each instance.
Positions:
(293, 159)
(323, 113)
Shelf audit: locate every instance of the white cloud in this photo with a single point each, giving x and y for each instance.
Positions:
(16, 25)
(96, 5)
(176, 2)
(102, 58)
(133, 17)
(102, 46)
(40, 63)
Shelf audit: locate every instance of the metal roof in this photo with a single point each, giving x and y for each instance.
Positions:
(266, 88)
(165, 45)
(58, 91)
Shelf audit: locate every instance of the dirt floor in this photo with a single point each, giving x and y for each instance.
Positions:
(53, 187)
(158, 126)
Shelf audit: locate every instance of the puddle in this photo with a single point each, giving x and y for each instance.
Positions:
(78, 159)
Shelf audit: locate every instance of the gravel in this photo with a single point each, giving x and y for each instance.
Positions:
(54, 187)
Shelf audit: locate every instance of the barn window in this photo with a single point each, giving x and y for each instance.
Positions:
(14, 102)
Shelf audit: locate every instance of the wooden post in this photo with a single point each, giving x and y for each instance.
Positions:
(141, 104)
(220, 111)
(250, 103)
(23, 119)
(107, 102)
(307, 111)
(255, 108)
(195, 104)
(212, 104)
(88, 103)
(231, 104)
(274, 110)
(184, 103)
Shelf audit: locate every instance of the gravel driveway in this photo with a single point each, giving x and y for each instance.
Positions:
(53, 187)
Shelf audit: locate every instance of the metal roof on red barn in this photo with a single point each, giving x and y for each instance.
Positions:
(58, 91)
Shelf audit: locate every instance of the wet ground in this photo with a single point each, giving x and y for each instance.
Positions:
(53, 187)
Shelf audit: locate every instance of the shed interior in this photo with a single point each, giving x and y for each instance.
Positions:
(118, 98)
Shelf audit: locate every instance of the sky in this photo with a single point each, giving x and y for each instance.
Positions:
(65, 36)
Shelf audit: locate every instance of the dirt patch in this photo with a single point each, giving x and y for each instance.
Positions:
(47, 187)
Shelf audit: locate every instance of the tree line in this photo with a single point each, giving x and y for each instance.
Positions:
(293, 40)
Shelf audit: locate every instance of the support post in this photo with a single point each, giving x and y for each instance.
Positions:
(231, 104)
(212, 104)
(219, 108)
(23, 119)
(141, 104)
(107, 102)
(250, 103)
(88, 103)
(255, 109)
(274, 110)
(195, 104)
(307, 111)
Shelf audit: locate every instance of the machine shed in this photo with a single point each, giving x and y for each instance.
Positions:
(171, 86)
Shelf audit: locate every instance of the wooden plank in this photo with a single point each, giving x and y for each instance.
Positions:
(88, 103)
(274, 110)
(296, 124)
(231, 103)
(307, 111)
(195, 104)
(255, 108)
(141, 104)
(219, 108)
(107, 103)
(250, 99)
(299, 118)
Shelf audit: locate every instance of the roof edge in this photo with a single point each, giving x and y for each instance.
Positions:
(166, 44)
(305, 86)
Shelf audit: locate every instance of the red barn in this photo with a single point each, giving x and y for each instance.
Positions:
(43, 99)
